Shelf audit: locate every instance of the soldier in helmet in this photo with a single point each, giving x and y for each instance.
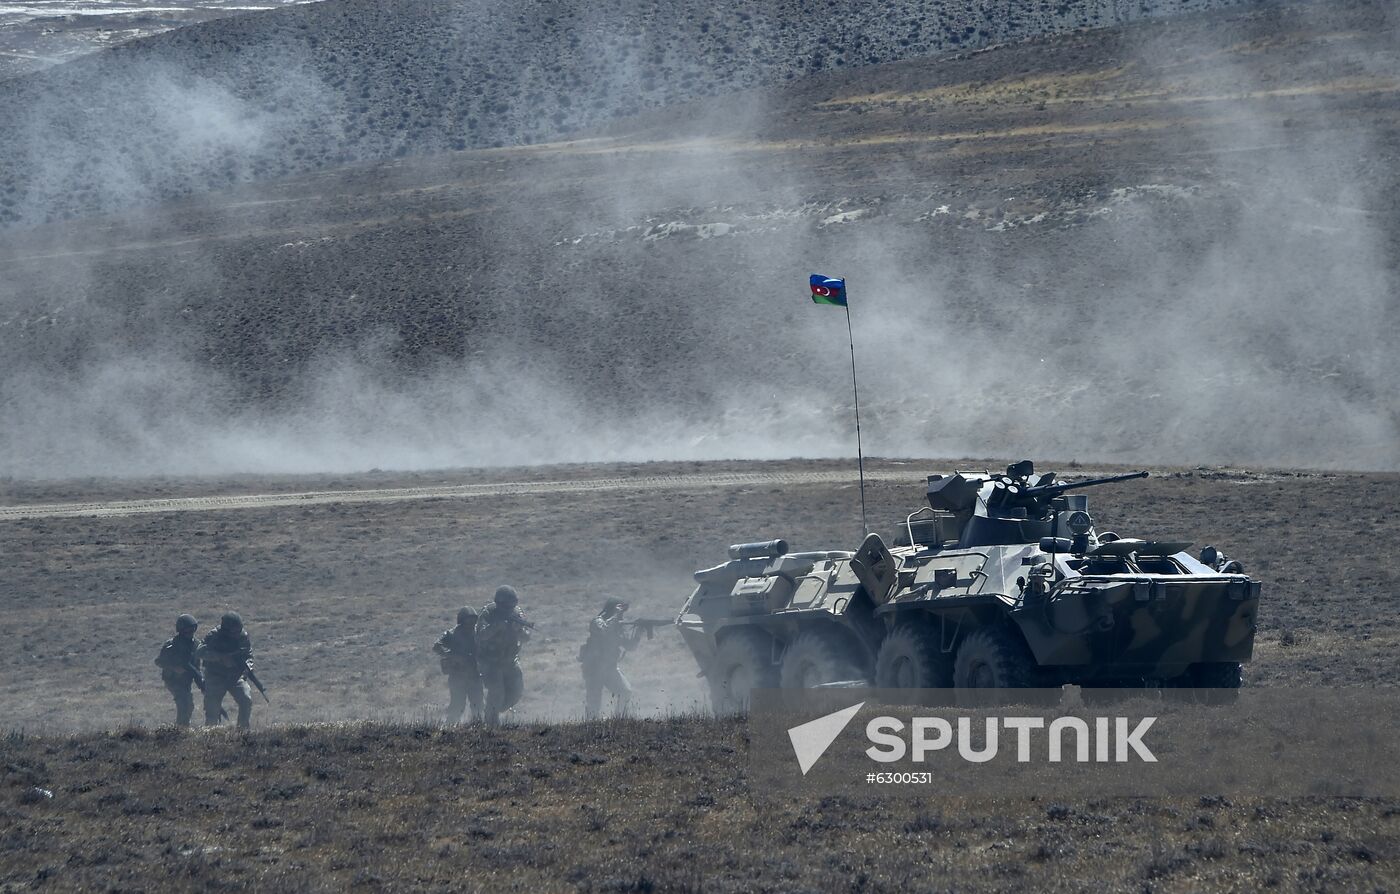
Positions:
(227, 654)
(456, 650)
(1220, 562)
(177, 669)
(608, 638)
(501, 629)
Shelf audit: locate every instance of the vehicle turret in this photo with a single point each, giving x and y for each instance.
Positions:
(981, 509)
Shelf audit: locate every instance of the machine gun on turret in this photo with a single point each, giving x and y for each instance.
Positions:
(1044, 493)
(1018, 507)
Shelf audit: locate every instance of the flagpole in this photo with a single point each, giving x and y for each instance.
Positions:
(860, 452)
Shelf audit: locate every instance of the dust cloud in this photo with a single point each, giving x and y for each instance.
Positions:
(1243, 320)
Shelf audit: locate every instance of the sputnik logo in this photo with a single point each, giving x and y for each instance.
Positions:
(810, 740)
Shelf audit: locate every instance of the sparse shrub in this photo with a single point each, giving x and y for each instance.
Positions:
(1163, 861)
(923, 823)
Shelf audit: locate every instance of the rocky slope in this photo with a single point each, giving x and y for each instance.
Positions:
(304, 87)
(1173, 241)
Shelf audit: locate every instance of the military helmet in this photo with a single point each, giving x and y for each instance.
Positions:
(506, 597)
(466, 615)
(231, 621)
(186, 623)
(612, 606)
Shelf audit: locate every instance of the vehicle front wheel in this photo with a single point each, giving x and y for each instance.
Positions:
(994, 658)
(911, 658)
(742, 664)
(816, 657)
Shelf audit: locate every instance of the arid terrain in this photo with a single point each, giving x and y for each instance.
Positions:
(306, 86)
(606, 806)
(526, 285)
(1170, 241)
(343, 601)
(43, 33)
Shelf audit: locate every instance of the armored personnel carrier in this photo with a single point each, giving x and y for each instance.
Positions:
(1001, 581)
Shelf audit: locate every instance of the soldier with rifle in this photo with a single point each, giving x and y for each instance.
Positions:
(610, 634)
(227, 654)
(456, 650)
(177, 668)
(501, 629)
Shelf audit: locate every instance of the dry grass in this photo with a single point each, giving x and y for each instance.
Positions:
(615, 806)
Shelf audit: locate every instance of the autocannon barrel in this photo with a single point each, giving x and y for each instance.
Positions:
(1054, 490)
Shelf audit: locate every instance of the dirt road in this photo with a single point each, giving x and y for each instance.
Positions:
(111, 508)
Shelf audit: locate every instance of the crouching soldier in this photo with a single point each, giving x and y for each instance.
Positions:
(177, 668)
(608, 638)
(500, 631)
(456, 650)
(227, 654)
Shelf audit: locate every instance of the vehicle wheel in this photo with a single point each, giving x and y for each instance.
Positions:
(816, 657)
(910, 658)
(742, 664)
(1217, 682)
(994, 658)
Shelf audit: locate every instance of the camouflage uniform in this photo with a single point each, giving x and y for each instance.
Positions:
(607, 640)
(226, 652)
(176, 663)
(457, 648)
(499, 636)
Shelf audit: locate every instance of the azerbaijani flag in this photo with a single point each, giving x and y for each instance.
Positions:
(826, 290)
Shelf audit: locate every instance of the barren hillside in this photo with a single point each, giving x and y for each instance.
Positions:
(311, 86)
(1170, 241)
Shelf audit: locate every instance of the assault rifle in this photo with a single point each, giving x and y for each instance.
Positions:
(253, 678)
(198, 677)
(648, 624)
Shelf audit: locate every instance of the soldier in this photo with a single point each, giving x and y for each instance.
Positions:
(1220, 562)
(608, 638)
(177, 670)
(500, 631)
(227, 655)
(457, 651)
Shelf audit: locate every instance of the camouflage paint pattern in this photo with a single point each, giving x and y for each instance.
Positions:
(1105, 608)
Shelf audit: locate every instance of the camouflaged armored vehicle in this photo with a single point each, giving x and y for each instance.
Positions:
(1001, 581)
